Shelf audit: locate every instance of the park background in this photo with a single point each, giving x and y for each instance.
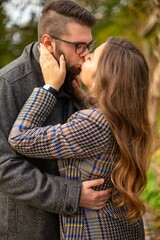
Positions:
(136, 20)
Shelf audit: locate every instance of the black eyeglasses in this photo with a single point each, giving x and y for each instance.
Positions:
(80, 47)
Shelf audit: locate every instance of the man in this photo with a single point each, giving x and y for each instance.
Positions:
(31, 192)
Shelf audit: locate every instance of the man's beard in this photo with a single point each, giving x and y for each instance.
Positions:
(71, 70)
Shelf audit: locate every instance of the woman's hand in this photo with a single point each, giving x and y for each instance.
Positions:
(77, 90)
(53, 72)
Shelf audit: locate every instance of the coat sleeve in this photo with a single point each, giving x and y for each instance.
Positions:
(22, 180)
(85, 135)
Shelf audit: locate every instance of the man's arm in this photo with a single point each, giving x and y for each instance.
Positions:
(24, 181)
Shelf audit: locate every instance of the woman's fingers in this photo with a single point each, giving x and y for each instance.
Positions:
(53, 71)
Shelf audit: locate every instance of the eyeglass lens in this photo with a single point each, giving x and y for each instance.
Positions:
(81, 48)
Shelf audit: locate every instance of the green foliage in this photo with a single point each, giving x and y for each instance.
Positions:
(4, 40)
(151, 195)
(156, 159)
(124, 20)
(15, 37)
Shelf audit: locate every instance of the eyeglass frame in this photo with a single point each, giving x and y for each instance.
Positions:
(76, 44)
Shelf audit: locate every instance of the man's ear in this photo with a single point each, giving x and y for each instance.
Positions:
(48, 42)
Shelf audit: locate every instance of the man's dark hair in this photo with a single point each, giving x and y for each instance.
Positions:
(56, 15)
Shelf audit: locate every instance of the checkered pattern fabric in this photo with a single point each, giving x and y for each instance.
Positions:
(85, 149)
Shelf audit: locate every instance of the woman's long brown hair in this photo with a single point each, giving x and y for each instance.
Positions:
(122, 87)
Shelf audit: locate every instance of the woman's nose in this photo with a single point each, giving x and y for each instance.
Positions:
(87, 56)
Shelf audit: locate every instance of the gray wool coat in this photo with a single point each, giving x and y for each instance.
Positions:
(32, 193)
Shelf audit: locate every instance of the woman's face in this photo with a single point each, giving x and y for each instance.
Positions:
(89, 67)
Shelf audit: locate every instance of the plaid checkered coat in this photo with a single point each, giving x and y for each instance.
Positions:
(85, 149)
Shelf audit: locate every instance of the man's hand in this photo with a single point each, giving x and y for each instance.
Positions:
(94, 200)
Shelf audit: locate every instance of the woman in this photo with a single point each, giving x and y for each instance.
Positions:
(110, 140)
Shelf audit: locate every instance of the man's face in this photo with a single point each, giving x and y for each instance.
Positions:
(76, 33)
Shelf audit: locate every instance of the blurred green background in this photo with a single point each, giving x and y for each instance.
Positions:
(136, 20)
